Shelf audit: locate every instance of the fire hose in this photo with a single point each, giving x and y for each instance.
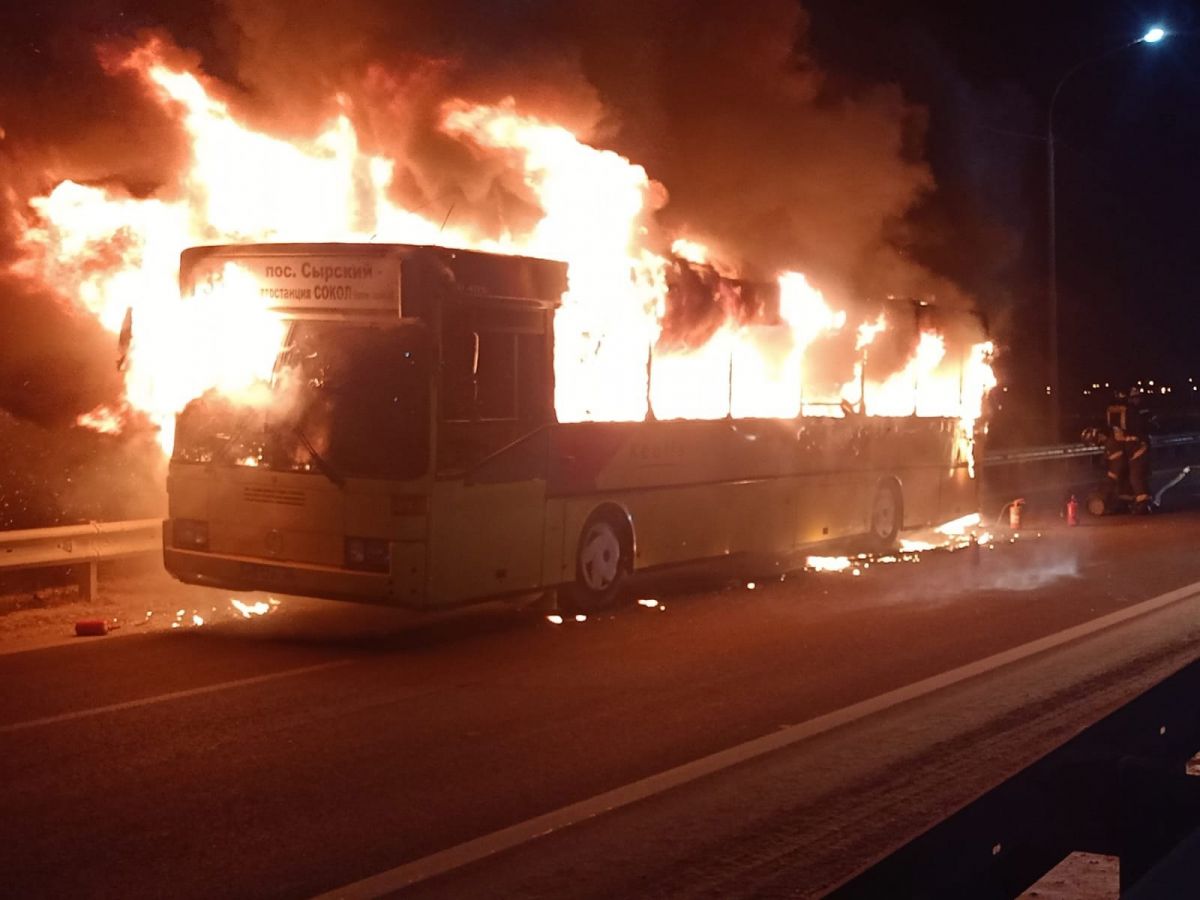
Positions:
(1170, 484)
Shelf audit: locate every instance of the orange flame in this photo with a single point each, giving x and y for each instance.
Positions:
(115, 252)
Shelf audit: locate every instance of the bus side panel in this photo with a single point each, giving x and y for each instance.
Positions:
(677, 524)
(712, 520)
(834, 505)
(765, 516)
(918, 452)
(920, 487)
(700, 489)
(485, 539)
(557, 556)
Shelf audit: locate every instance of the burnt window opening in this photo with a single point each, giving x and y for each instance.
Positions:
(495, 383)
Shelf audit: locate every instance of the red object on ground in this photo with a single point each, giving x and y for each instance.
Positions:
(91, 627)
(1072, 511)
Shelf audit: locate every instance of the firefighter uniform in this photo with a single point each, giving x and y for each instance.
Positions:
(1117, 468)
(1127, 450)
(1137, 447)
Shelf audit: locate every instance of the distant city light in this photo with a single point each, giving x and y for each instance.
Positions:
(1154, 35)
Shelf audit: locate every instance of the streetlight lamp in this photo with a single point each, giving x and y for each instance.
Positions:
(1152, 36)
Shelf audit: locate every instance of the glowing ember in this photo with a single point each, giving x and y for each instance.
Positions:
(959, 526)
(117, 255)
(827, 563)
(197, 620)
(648, 602)
(249, 610)
(554, 619)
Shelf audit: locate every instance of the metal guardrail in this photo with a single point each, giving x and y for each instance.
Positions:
(79, 547)
(1122, 787)
(1076, 451)
(1039, 454)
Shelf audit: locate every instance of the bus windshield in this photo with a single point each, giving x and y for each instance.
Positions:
(345, 400)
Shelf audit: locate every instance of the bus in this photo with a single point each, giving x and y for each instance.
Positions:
(411, 454)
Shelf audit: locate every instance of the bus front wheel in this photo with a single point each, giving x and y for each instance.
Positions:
(887, 513)
(602, 563)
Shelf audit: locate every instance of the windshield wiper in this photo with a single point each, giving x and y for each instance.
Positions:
(324, 465)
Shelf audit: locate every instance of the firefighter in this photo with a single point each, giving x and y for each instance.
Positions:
(1137, 449)
(1116, 461)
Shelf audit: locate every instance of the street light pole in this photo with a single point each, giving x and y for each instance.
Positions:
(1153, 36)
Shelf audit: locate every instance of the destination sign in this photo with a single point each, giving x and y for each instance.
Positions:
(342, 281)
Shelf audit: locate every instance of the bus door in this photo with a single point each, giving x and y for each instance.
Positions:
(488, 512)
(488, 526)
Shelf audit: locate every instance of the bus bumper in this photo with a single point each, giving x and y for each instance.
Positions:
(251, 574)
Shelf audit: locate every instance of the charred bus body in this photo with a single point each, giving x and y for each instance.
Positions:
(410, 455)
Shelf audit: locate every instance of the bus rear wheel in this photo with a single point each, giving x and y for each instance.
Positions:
(887, 513)
(602, 563)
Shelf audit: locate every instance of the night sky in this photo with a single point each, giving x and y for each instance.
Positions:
(1128, 142)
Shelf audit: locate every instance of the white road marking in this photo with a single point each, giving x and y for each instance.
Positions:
(447, 860)
(166, 698)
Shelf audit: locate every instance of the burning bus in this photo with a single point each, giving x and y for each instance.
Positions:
(408, 448)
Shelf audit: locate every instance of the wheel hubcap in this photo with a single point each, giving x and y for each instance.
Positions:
(600, 557)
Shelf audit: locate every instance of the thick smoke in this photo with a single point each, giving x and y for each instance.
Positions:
(725, 106)
(55, 360)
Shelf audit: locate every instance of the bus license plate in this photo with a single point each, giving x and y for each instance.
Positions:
(272, 576)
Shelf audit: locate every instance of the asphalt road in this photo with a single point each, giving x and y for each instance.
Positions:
(293, 756)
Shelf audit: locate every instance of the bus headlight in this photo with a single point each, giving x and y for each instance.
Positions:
(190, 534)
(369, 554)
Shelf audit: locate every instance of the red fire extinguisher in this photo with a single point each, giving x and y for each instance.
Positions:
(1014, 513)
(1072, 511)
